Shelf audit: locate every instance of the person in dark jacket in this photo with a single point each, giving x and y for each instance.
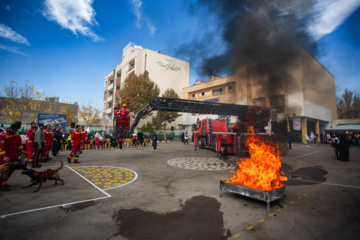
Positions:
(154, 141)
(344, 147)
(56, 141)
(140, 137)
(113, 142)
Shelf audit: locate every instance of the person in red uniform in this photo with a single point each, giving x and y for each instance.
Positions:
(76, 143)
(84, 136)
(47, 144)
(10, 145)
(30, 134)
(123, 120)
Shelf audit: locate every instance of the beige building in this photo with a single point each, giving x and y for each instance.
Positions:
(165, 71)
(304, 89)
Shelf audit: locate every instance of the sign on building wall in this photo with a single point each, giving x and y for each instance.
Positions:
(53, 119)
(297, 124)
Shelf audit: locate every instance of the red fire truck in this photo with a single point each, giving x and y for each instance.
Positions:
(219, 135)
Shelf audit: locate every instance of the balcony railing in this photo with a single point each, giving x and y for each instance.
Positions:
(109, 99)
(108, 110)
(110, 87)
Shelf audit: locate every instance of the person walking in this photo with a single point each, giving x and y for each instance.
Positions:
(38, 145)
(30, 134)
(57, 141)
(344, 147)
(120, 143)
(47, 144)
(336, 145)
(186, 139)
(140, 137)
(154, 141)
(76, 142)
(10, 145)
(84, 136)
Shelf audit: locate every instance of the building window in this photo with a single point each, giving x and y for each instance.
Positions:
(275, 75)
(259, 102)
(193, 95)
(258, 77)
(202, 94)
(277, 101)
(131, 65)
(118, 87)
(231, 88)
(219, 91)
(118, 74)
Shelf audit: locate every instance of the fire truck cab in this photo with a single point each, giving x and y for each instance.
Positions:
(217, 134)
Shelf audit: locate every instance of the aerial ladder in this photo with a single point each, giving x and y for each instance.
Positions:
(254, 116)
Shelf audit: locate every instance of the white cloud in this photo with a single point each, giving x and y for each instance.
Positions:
(77, 16)
(136, 8)
(136, 4)
(329, 14)
(8, 33)
(151, 27)
(11, 49)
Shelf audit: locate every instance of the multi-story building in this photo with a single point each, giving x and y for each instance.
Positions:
(165, 71)
(302, 89)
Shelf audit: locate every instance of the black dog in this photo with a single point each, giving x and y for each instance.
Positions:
(41, 177)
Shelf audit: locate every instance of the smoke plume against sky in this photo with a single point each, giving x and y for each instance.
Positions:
(250, 31)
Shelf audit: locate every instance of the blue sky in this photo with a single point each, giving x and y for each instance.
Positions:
(66, 47)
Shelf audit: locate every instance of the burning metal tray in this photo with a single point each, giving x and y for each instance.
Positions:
(266, 196)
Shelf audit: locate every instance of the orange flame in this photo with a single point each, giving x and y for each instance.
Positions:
(262, 170)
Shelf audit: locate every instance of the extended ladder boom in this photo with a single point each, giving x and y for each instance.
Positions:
(244, 112)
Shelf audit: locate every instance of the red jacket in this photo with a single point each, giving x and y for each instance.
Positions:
(76, 138)
(48, 137)
(30, 133)
(10, 144)
(84, 135)
(124, 112)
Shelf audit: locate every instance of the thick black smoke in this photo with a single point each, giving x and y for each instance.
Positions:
(253, 31)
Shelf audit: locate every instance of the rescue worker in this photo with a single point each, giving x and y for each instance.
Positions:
(10, 145)
(123, 120)
(30, 134)
(76, 143)
(69, 140)
(38, 145)
(84, 136)
(47, 144)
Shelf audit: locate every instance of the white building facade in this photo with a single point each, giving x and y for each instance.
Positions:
(165, 71)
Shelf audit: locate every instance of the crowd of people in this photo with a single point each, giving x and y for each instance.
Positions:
(341, 144)
(40, 141)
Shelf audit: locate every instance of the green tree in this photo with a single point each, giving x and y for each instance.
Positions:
(162, 118)
(137, 90)
(147, 127)
(348, 105)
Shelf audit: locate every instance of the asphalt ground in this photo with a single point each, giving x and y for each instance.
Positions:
(173, 193)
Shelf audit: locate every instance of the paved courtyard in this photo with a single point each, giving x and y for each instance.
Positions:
(174, 194)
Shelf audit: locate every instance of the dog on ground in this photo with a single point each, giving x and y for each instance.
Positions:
(41, 177)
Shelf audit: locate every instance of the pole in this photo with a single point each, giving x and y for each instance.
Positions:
(289, 135)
